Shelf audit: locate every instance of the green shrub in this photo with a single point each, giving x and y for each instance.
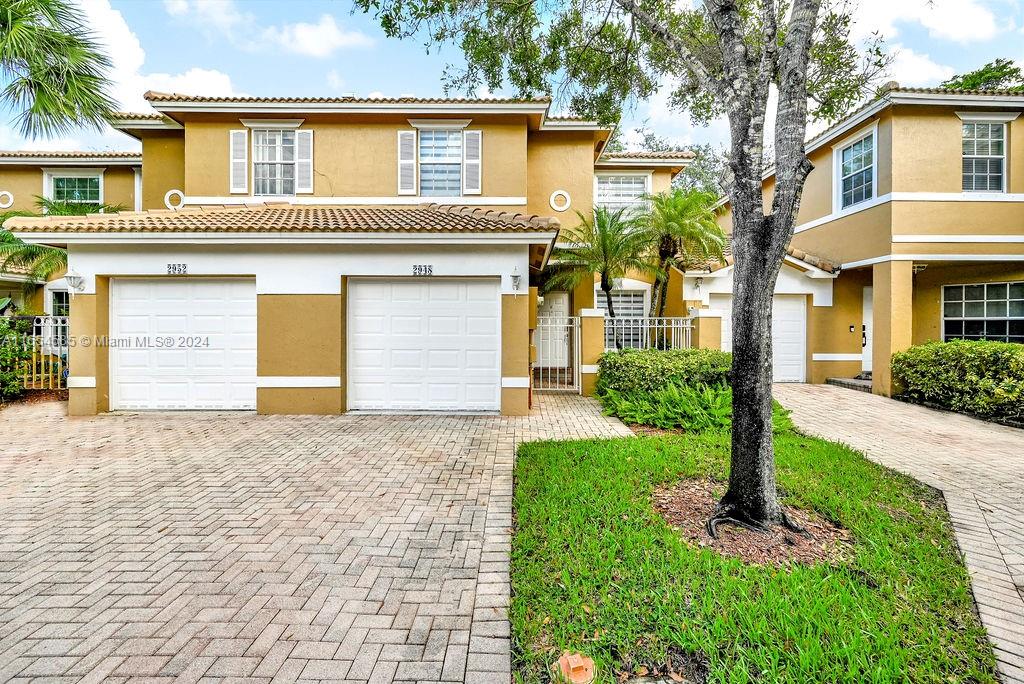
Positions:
(649, 370)
(979, 377)
(690, 407)
(13, 355)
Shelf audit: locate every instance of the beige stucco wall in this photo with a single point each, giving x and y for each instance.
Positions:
(163, 163)
(357, 157)
(515, 352)
(560, 160)
(828, 327)
(26, 184)
(928, 291)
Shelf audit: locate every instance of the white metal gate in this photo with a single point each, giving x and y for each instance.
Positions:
(557, 368)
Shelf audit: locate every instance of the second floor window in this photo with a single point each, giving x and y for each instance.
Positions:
(621, 191)
(76, 189)
(857, 171)
(440, 153)
(273, 169)
(984, 152)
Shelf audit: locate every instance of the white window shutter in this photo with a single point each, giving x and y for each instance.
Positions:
(406, 162)
(239, 160)
(472, 142)
(304, 161)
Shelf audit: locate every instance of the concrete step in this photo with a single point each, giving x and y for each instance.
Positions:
(851, 383)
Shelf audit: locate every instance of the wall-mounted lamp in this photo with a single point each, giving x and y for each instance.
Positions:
(700, 281)
(516, 279)
(75, 281)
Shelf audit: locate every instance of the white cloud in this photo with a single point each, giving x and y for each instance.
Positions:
(961, 21)
(219, 19)
(334, 80)
(910, 68)
(376, 94)
(128, 58)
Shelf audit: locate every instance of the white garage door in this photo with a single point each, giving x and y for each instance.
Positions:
(789, 334)
(183, 344)
(424, 344)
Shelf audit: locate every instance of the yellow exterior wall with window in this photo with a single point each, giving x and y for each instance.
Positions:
(25, 183)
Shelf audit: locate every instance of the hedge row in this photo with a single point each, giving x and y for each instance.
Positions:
(979, 377)
(649, 370)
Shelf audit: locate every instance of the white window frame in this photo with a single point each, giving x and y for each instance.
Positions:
(942, 306)
(837, 169)
(50, 174)
(988, 117)
(452, 161)
(252, 157)
(598, 175)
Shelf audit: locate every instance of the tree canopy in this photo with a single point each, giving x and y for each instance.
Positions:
(1002, 74)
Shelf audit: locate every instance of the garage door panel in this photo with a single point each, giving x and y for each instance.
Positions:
(442, 350)
(789, 334)
(218, 372)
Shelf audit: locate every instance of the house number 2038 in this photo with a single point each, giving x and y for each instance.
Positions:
(422, 269)
(177, 269)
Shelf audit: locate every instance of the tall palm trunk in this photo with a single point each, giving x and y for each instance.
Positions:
(606, 287)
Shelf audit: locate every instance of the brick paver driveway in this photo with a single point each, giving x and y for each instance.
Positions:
(194, 545)
(978, 466)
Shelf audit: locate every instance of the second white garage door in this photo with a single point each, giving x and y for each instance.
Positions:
(183, 343)
(789, 334)
(424, 344)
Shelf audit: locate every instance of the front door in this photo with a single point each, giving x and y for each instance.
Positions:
(552, 338)
(865, 332)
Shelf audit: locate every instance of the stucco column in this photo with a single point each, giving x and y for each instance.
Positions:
(892, 302)
(591, 347)
(515, 354)
(88, 369)
(707, 329)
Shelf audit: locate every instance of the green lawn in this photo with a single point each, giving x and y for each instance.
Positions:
(595, 569)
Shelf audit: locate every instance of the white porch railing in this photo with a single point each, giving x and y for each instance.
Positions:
(647, 333)
(46, 367)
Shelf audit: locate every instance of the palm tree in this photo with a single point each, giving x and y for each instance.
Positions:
(51, 68)
(610, 245)
(682, 224)
(41, 261)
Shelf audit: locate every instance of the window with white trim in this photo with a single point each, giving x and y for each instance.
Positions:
(985, 311)
(273, 161)
(76, 188)
(440, 160)
(622, 191)
(984, 156)
(857, 172)
(629, 305)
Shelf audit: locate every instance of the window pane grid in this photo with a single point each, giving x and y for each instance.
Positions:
(621, 192)
(983, 156)
(857, 172)
(988, 311)
(76, 189)
(440, 156)
(273, 162)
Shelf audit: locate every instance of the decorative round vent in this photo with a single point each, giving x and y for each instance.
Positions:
(560, 200)
(6, 199)
(171, 194)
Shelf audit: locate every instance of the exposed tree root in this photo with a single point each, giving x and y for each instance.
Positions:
(730, 514)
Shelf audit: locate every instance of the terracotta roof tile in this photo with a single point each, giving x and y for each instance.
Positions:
(146, 116)
(154, 96)
(287, 218)
(712, 265)
(77, 154)
(663, 154)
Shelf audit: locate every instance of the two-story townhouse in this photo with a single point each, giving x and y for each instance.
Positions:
(112, 178)
(915, 210)
(318, 255)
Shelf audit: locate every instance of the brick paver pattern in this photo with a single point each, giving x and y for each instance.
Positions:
(191, 545)
(978, 466)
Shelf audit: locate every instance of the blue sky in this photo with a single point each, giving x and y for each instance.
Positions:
(316, 47)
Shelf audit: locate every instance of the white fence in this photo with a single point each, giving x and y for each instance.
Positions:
(647, 333)
(46, 367)
(557, 367)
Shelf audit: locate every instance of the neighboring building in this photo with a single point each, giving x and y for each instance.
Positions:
(112, 178)
(915, 208)
(341, 253)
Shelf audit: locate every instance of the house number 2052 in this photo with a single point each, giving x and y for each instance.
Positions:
(177, 269)
(422, 269)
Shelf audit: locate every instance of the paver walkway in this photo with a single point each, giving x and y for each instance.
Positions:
(190, 545)
(978, 466)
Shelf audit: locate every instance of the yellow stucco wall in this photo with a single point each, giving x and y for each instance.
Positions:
(358, 157)
(560, 160)
(515, 352)
(928, 291)
(828, 327)
(26, 184)
(163, 161)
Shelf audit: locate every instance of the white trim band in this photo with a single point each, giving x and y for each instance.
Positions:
(397, 200)
(592, 313)
(298, 381)
(516, 382)
(934, 257)
(837, 357)
(81, 381)
(1004, 239)
(588, 369)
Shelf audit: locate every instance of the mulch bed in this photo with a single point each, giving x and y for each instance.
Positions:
(688, 505)
(37, 396)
